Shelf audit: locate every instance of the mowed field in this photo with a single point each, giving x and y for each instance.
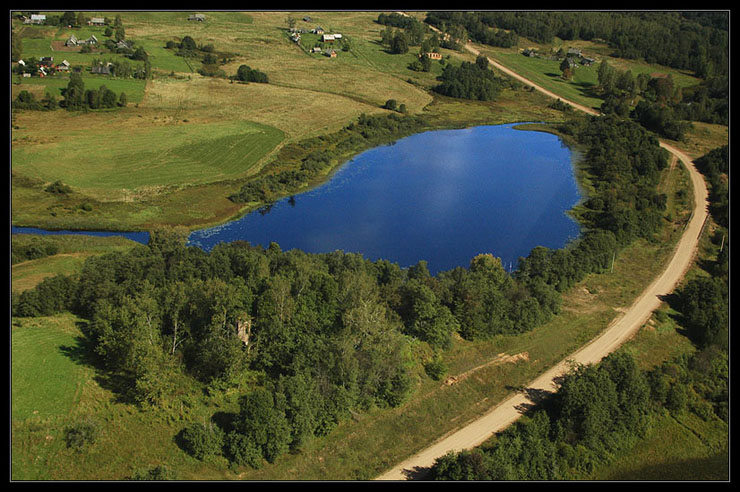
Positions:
(172, 155)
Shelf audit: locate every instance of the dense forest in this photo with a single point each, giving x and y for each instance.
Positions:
(697, 41)
(309, 338)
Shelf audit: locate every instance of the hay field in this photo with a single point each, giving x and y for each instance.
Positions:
(182, 133)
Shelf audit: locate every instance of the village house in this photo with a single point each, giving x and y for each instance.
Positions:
(307, 19)
(101, 69)
(64, 66)
(35, 19)
(433, 56)
(316, 49)
(96, 21)
(587, 62)
(72, 41)
(331, 53)
(318, 30)
(46, 61)
(197, 17)
(530, 52)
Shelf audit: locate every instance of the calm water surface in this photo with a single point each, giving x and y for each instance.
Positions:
(440, 196)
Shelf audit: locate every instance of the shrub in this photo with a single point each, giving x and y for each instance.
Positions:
(242, 451)
(81, 434)
(202, 441)
(160, 472)
(58, 188)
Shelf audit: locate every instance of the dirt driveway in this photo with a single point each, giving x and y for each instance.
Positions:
(619, 331)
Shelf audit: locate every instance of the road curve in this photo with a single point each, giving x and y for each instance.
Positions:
(619, 331)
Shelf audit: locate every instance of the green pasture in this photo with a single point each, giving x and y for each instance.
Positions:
(46, 382)
(103, 162)
(133, 88)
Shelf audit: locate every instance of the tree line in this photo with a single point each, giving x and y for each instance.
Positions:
(680, 40)
(599, 412)
(298, 164)
(471, 81)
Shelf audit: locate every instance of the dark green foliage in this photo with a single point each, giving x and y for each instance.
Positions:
(470, 81)
(263, 422)
(473, 23)
(202, 440)
(37, 248)
(58, 188)
(81, 435)
(159, 472)
(247, 74)
(704, 302)
(715, 166)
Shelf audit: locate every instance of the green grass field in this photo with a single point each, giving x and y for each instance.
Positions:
(101, 163)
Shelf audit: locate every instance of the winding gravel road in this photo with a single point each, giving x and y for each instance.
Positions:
(619, 331)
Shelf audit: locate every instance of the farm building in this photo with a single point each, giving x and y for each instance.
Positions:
(101, 69)
(197, 17)
(46, 61)
(96, 21)
(433, 56)
(327, 38)
(35, 19)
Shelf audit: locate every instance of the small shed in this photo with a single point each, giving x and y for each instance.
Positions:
(36, 19)
(197, 17)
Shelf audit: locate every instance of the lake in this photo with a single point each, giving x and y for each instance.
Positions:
(442, 196)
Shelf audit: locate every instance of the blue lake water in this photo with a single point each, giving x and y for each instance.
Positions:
(441, 196)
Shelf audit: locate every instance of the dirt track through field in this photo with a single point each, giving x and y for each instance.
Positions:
(619, 331)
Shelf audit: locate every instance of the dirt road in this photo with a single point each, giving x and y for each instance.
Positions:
(619, 331)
